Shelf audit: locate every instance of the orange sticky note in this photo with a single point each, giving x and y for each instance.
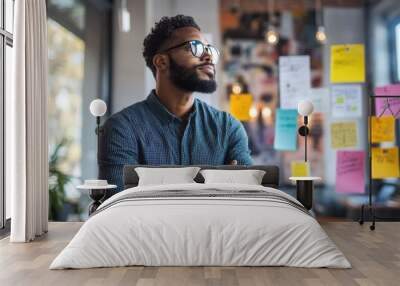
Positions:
(385, 163)
(347, 63)
(240, 105)
(382, 129)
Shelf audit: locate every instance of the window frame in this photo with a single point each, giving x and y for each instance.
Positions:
(6, 39)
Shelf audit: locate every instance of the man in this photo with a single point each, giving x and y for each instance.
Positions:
(172, 126)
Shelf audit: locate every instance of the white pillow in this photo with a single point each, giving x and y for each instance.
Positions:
(165, 176)
(248, 177)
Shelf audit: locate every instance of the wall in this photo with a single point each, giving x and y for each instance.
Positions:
(132, 80)
(343, 26)
(90, 91)
(128, 63)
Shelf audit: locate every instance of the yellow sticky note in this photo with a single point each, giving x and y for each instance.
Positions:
(343, 134)
(385, 163)
(300, 169)
(382, 129)
(240, 105)
(347, 63)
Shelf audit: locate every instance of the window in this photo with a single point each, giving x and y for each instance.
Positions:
(394, 48)
(397, 50)
(6, 44)
(79, 41)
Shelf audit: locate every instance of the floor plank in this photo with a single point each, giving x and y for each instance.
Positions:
(374, 255)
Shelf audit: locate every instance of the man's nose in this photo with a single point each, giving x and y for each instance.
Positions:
(207, 56)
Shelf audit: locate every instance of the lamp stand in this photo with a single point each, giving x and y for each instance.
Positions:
(99, 132)
(304, 131)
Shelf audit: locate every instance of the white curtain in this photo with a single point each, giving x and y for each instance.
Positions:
(26, 124)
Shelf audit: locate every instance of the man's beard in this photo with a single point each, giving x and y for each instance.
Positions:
(187, 79)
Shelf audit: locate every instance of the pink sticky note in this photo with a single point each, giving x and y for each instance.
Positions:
(390, 89)
(382, 104)
(350, 175)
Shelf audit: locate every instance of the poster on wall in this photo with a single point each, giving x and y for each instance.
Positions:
(347, 63)
(294, 80)
(346, 100)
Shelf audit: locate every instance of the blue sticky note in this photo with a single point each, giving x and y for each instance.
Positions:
(286, 130)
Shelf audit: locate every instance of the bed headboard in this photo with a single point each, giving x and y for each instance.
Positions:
(270, 179)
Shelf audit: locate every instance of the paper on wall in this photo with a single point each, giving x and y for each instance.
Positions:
(385, 163)
(390, 89)
(382, 129)
(286, 130)
(346, 100)
(350, 172)
(347, 63)
(294, 80)
(240, 105)
(343, 134)
(319, 97)
(386, 105)
(300, 169)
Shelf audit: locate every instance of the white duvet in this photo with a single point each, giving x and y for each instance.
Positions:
(207, 230)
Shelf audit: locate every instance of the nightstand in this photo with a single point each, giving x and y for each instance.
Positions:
(97, 191)
(305, 187)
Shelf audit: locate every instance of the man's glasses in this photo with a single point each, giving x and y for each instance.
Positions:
(198, 49)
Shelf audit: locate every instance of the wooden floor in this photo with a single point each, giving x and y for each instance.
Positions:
(374, 255)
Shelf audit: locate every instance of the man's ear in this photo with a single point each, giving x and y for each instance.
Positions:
(161, 62)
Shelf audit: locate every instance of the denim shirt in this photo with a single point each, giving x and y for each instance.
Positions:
(147, 133)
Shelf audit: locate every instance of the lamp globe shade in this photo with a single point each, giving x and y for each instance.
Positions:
(305, 107)
(98, 107)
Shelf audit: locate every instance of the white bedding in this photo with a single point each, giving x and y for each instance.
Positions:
(189, 230)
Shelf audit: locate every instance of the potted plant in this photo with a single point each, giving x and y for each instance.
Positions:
(57, 182)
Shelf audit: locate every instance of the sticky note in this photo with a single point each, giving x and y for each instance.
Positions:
(346, 100)
(343, 134)
(300, 169)
(382, 129)
(240, 105)
(350, 172)
(387, 106)
(286, 130)
(390, 89)
(385, 162)
(347, 63)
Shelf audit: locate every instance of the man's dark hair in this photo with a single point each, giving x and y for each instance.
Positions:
(160, 33)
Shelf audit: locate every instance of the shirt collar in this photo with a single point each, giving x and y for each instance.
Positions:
(162, 112)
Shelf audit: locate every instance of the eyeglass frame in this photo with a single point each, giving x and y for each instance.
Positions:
(206, 47)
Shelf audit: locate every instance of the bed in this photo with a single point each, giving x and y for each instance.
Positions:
(198, 224)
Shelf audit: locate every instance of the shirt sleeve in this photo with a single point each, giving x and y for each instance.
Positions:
(117, 147)
(238, 148)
